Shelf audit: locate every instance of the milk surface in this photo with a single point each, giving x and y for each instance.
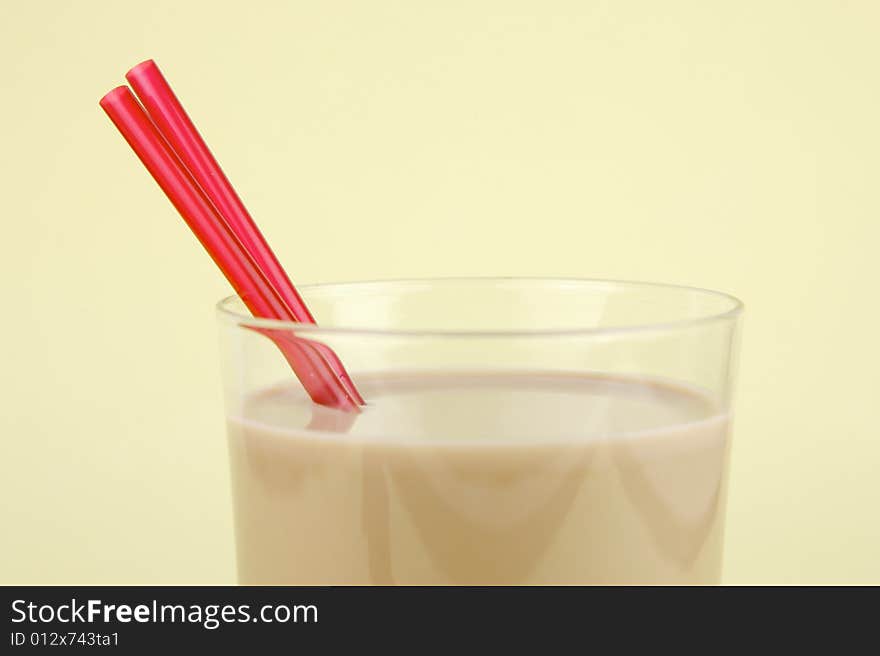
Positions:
(481, 478)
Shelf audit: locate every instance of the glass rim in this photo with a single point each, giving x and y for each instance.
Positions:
(228, 314)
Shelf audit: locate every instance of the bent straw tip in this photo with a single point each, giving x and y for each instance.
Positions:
(113, 96)
(141, 68)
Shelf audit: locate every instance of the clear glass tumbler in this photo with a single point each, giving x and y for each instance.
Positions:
(516, 431)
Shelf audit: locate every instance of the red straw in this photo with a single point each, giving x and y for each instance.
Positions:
(225, 249)
(175, 125)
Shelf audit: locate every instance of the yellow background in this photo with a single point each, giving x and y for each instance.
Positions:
(732, 145)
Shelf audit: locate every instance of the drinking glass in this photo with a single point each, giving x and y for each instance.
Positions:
(516, 431)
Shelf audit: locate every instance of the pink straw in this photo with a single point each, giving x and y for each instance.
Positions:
(178, 129)
(318, 378)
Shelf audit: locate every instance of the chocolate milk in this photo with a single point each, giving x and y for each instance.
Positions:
(481, 478)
